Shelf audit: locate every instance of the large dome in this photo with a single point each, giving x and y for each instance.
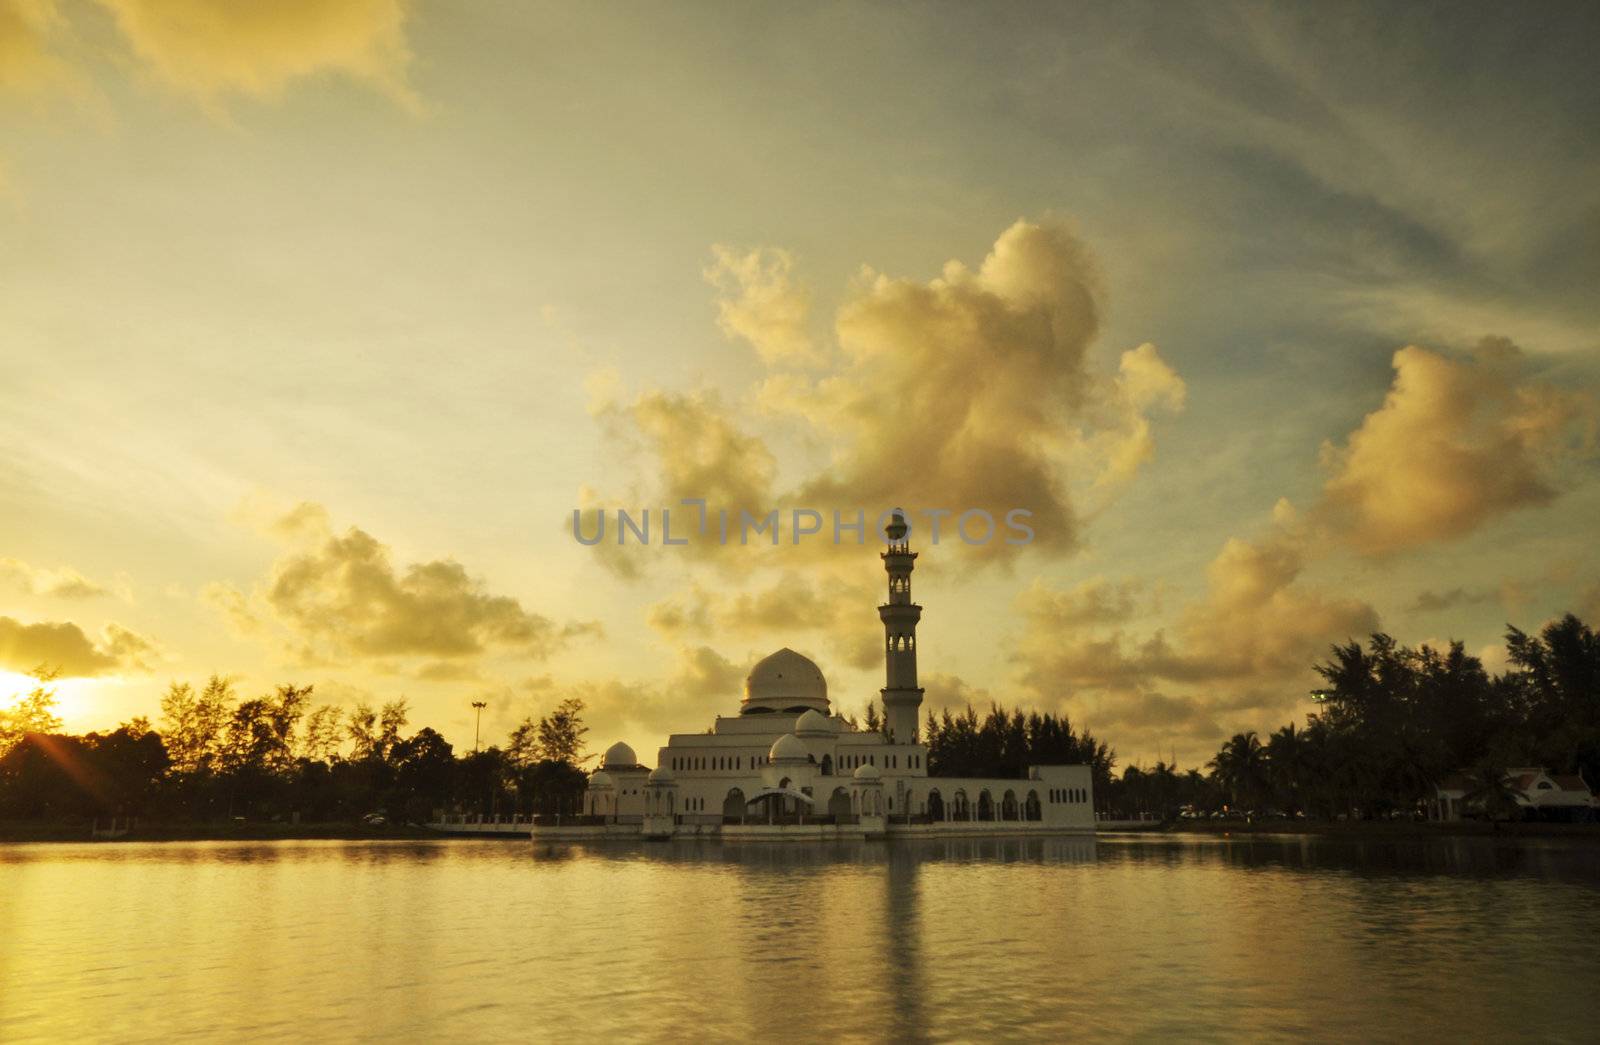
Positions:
(619, 756)
(785, 681)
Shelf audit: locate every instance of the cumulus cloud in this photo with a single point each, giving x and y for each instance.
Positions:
(62, 582)
(1456, 443)
(963, 391)
(696, 451)
(216, 49)
(1241, 652)
(342, 595)
(760, 302)
(64, 646)
(1125, 440)
(967, 391)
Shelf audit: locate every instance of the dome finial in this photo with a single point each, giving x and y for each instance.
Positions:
(897, 529)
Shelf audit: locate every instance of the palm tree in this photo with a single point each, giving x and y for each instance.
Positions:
(1240, 767)
(1286, 756)
(1491, 790)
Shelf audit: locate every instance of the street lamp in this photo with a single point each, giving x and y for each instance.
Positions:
(477, 730)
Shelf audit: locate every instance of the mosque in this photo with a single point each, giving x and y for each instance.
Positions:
(787, 765)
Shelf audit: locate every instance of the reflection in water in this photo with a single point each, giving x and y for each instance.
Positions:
(936, 939)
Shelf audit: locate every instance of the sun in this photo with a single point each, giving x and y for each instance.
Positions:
(74, 696)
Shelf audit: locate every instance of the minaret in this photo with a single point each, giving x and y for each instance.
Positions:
(902, 698)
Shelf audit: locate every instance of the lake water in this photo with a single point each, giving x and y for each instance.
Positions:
(949, 940)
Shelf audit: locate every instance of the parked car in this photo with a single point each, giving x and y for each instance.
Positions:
(375, 820)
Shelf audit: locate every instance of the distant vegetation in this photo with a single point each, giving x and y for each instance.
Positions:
(1394, 721)
(276, 757)
(1005, 744)
(1391, 723)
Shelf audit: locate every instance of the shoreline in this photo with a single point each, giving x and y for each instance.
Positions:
(1376, 829)
(15, 833)
(21, 833)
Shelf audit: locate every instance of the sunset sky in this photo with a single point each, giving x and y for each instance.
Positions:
(317, 321)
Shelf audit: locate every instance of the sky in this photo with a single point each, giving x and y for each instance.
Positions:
(318, 321)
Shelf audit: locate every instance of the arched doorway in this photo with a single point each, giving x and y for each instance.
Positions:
(839, 806)
(733, 807)
(961, 808)
(935, 805)
(827, 765)
(1008, 805)
(1030, 808)
(985, 805)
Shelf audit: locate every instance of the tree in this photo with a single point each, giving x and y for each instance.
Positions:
(375, 733)
(424, 765)
(32, 712)
(192, 726)
(324, 734)
(1492, 792)
(1241, 768)
(523, 749)
(561, 733)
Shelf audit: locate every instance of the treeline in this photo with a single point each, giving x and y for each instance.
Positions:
(1391, 723)
(213, 756)
(1004, 744)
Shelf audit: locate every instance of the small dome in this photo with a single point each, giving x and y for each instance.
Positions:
(600, 781)
(619, 756)
(783, 681)
(813, 723)
(788, 748)
(662, 775)
(867, 772)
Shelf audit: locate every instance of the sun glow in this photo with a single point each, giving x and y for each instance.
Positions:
(75, 697)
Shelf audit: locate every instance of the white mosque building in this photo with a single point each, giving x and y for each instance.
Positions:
(787, 765)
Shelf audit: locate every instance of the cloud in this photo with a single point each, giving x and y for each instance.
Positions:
(341, 595)
(448, 671)
(233, 604)
(1588, 605)
(701, 684)
(968, 391)
(215, 49)
(28, 65)
(63, 582)
(64, 646)
(1241, 650)
(1456, 443)
(837, 606)
(760, 302)
(962, 392)
(943, 691)
(1126, 440)
(1512, 595)
(1093, 602)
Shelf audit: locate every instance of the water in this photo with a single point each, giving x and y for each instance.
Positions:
(945, 940)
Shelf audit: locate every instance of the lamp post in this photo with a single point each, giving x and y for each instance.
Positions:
(477, 730)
